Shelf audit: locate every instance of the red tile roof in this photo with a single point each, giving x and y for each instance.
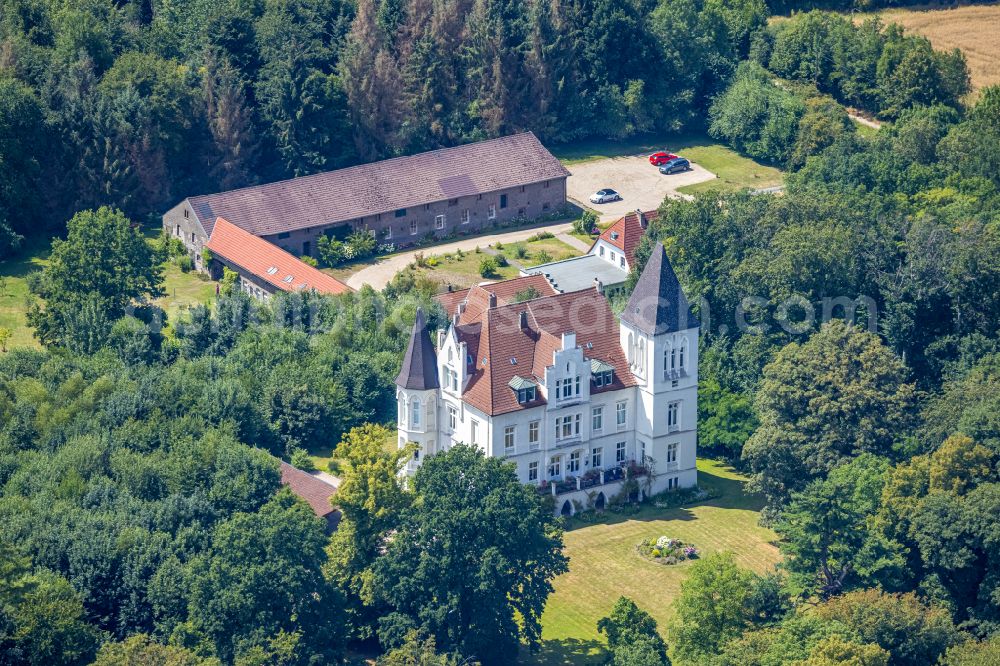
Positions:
(477, 297)
(316, 492)
(382, 187)
(267, 261)
(495, 334)
(626, 233)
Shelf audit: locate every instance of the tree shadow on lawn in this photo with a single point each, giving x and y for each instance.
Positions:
(566, 652)
(729, 494)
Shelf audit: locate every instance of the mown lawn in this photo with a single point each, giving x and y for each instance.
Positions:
(14, 296)
(540, 251)
(604, 564)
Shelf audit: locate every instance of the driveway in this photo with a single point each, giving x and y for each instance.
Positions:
(641, 185)
(379, 274)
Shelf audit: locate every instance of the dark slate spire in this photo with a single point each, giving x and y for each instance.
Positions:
(657, 304)
(419, 371)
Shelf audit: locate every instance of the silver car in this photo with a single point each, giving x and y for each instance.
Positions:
(604, 196)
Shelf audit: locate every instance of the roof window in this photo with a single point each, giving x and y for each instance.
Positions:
(614, 235)
(289, 279)
(272, 270)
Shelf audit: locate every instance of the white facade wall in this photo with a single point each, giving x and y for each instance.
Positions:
(659, 417)
(610, 254)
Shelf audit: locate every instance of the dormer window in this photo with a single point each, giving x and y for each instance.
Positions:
(614, 235)
(525, 389)
(601, 373)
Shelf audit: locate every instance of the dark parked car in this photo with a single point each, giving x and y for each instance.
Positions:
(675, 165)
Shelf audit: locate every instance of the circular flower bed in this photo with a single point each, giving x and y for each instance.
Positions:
(667, 550)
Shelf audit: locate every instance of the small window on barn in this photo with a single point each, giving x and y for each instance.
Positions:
(185, 213)
(545, 184)
(401, 212)
(503, 201)
(284, 234)
(452, 202)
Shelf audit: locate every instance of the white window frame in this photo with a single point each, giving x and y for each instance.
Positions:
(597, 419)
(570, 424)
(509, 439)
(674, 415)
(573, 463)
(621, 452)
(474, 435)
(415, 412)
(534, 434)
(413, 227)
(492, 212)
(533, 470)
(466, 216)
(597, 457)
(621, 414)
(672, 452)
(452, 418)
(555, 466)
(388, 232)
(439, 221)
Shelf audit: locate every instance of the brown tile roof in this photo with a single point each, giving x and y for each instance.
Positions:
(381, 187)
(496, 336)
(313, 490)
(268, 262)
(626, 233)
(505, 291)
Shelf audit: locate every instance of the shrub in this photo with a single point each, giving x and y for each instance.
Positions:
(586, 223)
(498, 245)
(309, 261)
(543, 257)
(300, 458)
(488, 266)
(185, 263)
(520, 251)
(501, 260)
(541, 235)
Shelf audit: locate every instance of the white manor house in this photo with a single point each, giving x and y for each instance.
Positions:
(554, 383)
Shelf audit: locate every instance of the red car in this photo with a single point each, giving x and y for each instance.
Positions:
(662, 157)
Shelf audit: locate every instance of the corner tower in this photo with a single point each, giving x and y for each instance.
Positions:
(417, 394)
(659, 334)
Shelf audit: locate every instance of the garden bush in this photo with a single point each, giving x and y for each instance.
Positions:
(488, 266)
(667, 550)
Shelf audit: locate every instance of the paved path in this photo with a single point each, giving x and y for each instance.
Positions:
(574, 242)
(874, 124)
(329, 478)
(379, 274)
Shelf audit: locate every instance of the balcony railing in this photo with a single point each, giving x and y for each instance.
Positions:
(629, 469)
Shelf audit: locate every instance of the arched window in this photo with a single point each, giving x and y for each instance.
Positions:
(415, 412)
(641, 361)
(668, 353)
(402, 410)
(682, 354)
(631, 349)
(451, 355)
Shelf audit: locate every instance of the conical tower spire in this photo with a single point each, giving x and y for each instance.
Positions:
(419, 371)
(657, 304)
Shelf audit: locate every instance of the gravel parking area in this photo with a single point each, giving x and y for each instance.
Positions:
(641, 185)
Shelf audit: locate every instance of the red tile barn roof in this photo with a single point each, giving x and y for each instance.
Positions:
(268, 262)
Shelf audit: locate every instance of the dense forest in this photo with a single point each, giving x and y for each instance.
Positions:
(138, 104)
(141, 515)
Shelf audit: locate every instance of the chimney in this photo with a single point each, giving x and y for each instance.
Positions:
(568, 340)
(523, 320)
(598, 286)
(461, 307)
(493, 300)
(440, 336)
(642, 219)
